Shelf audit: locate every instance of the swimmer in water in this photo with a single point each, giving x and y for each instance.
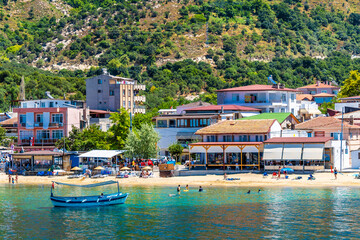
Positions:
(248, 192)
(200, 189)
(178, 189)
(259, 191)
(187, 187)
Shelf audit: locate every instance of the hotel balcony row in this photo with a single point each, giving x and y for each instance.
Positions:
(44, 141)
(138, 87)
(40, 124)
(140, 99)
(139, 109)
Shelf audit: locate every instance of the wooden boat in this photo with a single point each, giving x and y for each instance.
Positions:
(88, 201)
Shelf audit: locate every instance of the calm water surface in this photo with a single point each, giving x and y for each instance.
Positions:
(218, 213)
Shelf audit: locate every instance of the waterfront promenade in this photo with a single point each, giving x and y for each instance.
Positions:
(324, 179)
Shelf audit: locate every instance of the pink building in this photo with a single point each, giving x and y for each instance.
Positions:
(319, 88)
(43, 122)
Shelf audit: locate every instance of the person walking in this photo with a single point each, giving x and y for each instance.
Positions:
(335, 173)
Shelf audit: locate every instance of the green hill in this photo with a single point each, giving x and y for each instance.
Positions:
(232, 42)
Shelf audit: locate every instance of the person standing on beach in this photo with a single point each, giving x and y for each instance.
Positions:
(335, 173)
(225, 176)
(9, 178)
(279, 172)
(16, 178)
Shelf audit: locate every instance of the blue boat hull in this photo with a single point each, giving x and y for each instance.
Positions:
(89, 201)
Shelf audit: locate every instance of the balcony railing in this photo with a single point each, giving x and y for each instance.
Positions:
(139, 87)
(45, 141)
(139, 98)
(139, 109)
(55, 124)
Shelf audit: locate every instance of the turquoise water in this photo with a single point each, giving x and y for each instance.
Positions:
(218, 213)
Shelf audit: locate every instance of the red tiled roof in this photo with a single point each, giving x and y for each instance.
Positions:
(99, 111)
(257, 87)
(323, 123)
(324, 95)
(301, 97)
(353, 97)
(298, 140)
(9, 121)
(320, 85)
(225, 143)
(225, 107)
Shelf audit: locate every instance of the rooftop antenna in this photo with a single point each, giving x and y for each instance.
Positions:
(48, 95)
(271, 80)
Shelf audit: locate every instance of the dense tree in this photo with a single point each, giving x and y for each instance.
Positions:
(142, 142)
(120, 128)
(87, 139)
(176, 150)
(351, 86)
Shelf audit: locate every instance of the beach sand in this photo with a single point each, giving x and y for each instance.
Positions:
(246, 180)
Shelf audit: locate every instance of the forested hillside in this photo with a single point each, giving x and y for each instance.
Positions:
(189, 47)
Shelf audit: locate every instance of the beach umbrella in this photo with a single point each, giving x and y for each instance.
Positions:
(75, 169)
(124, 169)
(147, 168)
(288, 170)
(99, 168)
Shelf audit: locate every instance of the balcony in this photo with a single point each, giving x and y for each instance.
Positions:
(139, 109)
(139, 98)
(55, 125)
(45, 141)
(38, 124)
(138, 87)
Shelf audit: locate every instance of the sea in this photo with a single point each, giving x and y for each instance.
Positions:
(160, 213)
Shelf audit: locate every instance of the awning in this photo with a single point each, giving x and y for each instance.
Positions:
(187, 135)
(40, 158)
(292, 152)
(314, 111)
(102, 153)
(88, 185)
(273, 151)
(313, 151)
(303, 111)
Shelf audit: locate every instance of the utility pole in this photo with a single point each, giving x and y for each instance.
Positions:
(341, 138)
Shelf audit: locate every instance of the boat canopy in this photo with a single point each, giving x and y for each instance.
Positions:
(88, 185)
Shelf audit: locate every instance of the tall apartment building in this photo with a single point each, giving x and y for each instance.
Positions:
(42, 122)
(110, 93)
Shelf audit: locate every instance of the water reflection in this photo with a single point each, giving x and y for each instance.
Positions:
(276, 213)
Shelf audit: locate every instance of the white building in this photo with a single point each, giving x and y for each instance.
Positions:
(268, 98)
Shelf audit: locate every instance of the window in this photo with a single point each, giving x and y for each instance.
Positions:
(99, 81)
(99, 91)
(261, 138)
(22, 118)
(265, 137)
(111, 93)
(283, 97)
(25, 134)
(185, 122)
(124, 92)
(57, 134)
(124, 104)
(227, 138)
(256, 138)
(100, 102)
(292, 97)
(42, 104)
(43, 134)
(107, 126)
(24, 105)
(323, 91)
(129, 92)
(235, 97)
(51, 104)
(39, 118)
(57, 118)
(129, 104)
(309, 134)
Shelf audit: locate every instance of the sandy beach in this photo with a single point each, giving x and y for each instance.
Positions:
(246, 180)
